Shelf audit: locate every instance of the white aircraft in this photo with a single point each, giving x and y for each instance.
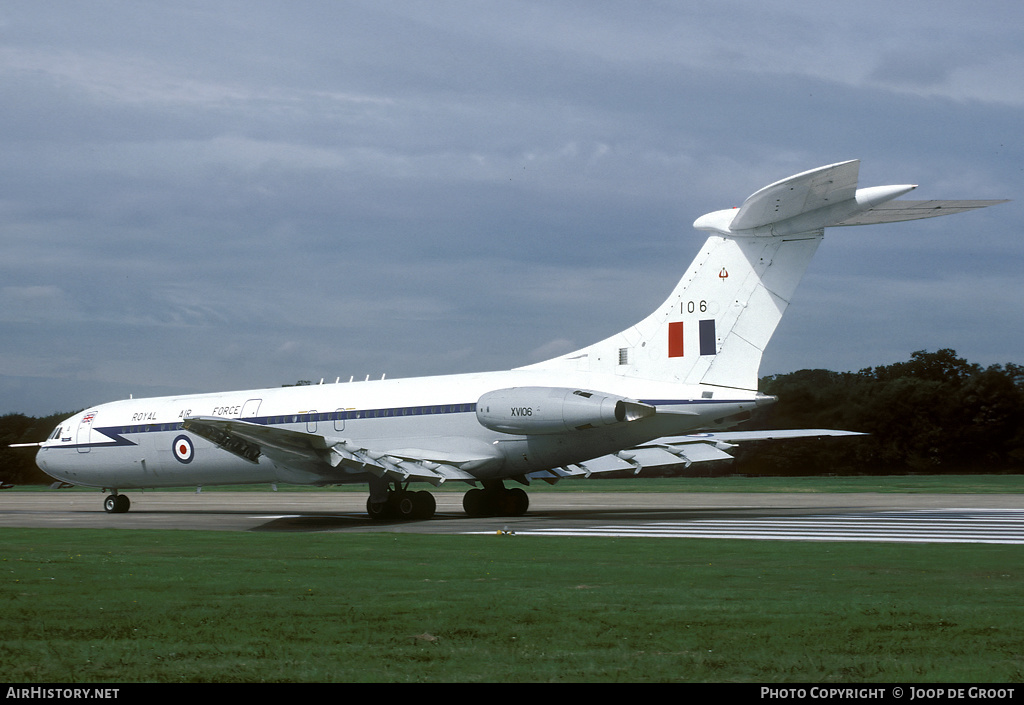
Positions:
(663, 392)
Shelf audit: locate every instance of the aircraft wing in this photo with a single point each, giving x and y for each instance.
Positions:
(330, 457)
(677, 450)
(333, 457)
(896, 211)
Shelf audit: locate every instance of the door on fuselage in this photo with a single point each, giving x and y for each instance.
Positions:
(250, 409)
(83, 437)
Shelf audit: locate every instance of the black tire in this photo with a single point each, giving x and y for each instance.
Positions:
(116, 504)
(425, 503)
(518, 502)
(404, 504)
(378, 511)
(475, 503)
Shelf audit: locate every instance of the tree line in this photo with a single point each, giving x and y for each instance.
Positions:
(17, 465)
(934, 413)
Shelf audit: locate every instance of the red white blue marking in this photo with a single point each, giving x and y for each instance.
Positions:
(183, 450)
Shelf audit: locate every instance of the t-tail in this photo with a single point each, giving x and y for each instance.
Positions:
(715, 325)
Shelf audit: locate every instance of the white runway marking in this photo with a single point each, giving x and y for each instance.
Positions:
(1004, 526)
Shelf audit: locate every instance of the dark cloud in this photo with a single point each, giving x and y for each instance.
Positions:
(226, 195)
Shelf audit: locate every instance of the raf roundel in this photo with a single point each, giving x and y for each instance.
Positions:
(183, 450)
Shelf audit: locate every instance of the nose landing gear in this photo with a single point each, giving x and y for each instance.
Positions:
(115, 503)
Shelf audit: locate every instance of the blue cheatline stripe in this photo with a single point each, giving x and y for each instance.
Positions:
(352, 414)
(116, 433)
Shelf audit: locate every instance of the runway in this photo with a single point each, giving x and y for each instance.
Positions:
(1004, 526)
(908, 518)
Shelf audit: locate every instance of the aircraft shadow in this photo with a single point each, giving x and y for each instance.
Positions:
(460, 523)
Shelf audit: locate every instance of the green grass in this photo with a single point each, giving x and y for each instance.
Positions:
(171, 606)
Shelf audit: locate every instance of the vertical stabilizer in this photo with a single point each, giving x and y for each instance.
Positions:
(716, 323)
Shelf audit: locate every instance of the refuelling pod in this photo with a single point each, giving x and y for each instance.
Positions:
(545, 410)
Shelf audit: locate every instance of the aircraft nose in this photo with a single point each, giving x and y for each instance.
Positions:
(50, 464)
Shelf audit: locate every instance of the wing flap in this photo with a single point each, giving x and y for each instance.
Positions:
(403, 465)
(606, 463)
(553, 475)
(649, 457)
(702, 453)
(677, 451)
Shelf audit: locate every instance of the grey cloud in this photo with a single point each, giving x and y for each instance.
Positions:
(235, 195)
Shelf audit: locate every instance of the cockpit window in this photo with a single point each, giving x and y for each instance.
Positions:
(55, 434)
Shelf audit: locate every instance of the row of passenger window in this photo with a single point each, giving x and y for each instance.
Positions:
(371, 413)
(151, 427)
(313, 417)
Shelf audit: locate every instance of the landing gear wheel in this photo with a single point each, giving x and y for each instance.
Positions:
(425, 503)
(475, 503)
(378, 510)
(403, 505)
(518, 502)
(496, 501)
(116, 504)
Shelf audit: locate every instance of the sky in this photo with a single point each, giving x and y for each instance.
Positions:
(213, 195)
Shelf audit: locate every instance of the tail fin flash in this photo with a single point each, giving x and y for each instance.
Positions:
(718, 320)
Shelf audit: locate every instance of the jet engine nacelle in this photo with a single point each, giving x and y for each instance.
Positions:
(546, 410)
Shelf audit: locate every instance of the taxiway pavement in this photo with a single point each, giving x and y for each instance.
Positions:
(808, 516)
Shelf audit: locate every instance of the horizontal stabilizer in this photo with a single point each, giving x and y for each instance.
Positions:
(821, 198)
(793, 196)
(731, 437)
(898, 211)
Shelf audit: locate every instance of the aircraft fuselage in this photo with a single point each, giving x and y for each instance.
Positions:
(142, 443)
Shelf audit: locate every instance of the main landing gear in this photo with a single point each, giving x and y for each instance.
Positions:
(494, 500)
(115, 503)
(399, 503)
(402, 504)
